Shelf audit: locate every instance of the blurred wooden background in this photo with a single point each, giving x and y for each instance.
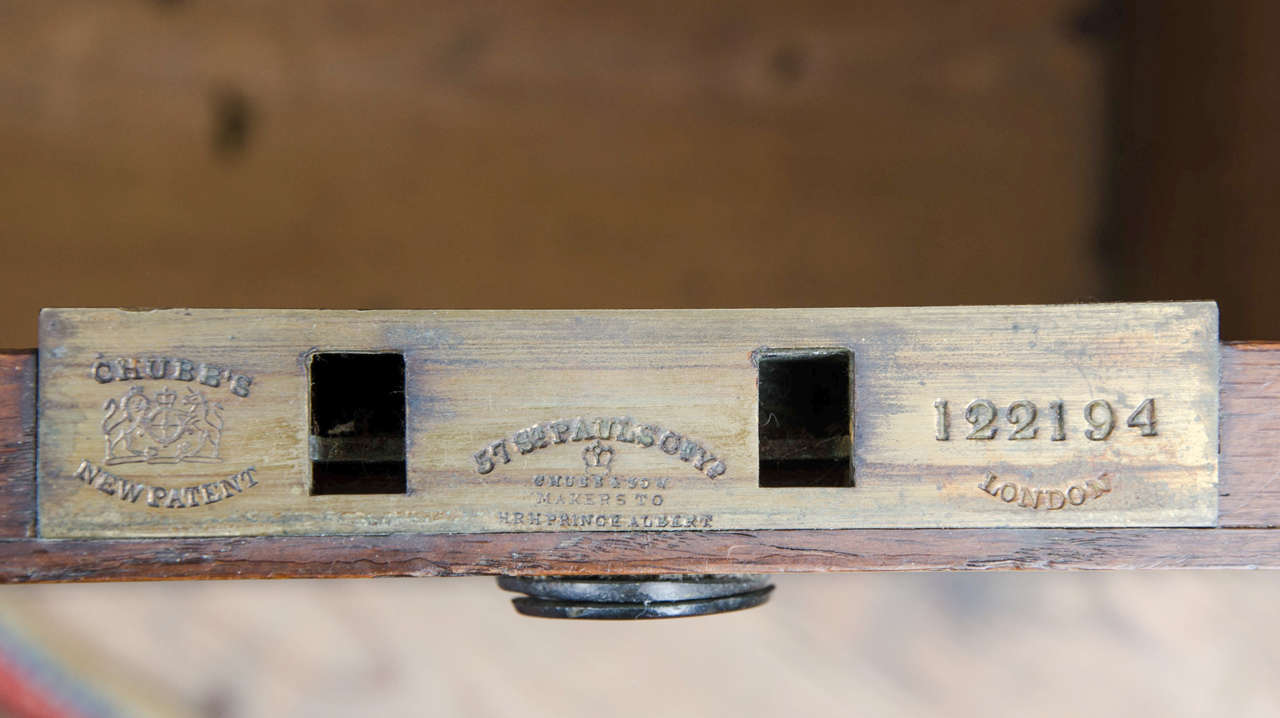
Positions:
(573, 154)
(401, 154)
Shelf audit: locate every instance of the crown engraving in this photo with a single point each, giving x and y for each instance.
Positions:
(161, 429)
(598, 458)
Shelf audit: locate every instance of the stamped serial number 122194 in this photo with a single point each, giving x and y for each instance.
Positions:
(983, 417)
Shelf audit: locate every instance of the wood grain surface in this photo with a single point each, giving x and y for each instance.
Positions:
(545, 154)
(397, 154)
(1249, 491)
(1244, 539)
(17, 444)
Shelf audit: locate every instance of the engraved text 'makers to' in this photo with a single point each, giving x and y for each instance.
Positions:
(598, 498)
(690, 420)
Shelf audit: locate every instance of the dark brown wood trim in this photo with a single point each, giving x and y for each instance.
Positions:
(17, 444)
(612, 553)
(1249, 434)
(1250, 508)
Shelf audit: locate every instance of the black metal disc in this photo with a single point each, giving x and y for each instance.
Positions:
(635, 597)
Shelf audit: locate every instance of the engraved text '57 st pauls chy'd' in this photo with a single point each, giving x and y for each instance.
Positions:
(300, 422)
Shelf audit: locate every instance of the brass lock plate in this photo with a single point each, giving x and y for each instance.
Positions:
(210, 422)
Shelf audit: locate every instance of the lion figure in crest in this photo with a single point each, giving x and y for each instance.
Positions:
(161, 428)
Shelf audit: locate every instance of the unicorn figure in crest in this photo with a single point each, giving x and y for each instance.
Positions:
(160, 429)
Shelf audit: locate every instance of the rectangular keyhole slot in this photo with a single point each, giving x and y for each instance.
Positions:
(806, 417)
(357, 441)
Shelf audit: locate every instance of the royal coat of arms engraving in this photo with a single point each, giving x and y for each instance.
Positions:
(161, 429)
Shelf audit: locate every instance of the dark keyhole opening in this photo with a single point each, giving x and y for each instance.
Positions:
(806, 417)
(357, 441)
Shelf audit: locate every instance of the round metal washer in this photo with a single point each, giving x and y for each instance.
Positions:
(633, 611)
(635, 597)
(633, 589)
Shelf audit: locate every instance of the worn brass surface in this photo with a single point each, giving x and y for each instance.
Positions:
(196, 422)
